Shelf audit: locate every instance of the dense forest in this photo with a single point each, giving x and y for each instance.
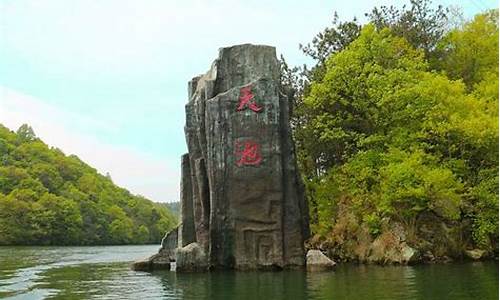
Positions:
(48, 198)
(396, 127)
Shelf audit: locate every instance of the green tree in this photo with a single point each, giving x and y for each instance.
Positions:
(25, 134)
(142, 234)
(10, 177)
(15, 222)
(344, 108)
(59, 218)
(470, 53)
(419, 24)
(48, 175)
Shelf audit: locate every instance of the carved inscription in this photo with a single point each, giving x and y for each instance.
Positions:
(247, 100)
(247, 153)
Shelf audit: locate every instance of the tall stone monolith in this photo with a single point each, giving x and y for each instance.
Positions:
(242, 199)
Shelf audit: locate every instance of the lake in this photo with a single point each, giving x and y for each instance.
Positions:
(104, 273)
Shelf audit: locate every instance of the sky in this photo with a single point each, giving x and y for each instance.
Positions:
(107, 79)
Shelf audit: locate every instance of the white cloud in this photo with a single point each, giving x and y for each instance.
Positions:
(157, 179)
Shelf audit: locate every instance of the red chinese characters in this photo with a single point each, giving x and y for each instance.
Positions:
(247, 153)
(247, 100)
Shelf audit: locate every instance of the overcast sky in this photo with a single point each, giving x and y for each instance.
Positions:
(107, 80)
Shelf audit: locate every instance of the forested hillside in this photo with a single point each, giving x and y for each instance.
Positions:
(48, 198)
(397, 134)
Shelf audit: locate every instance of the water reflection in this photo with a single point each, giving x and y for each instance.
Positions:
(456, 281)
(235, 285)
(363, 282)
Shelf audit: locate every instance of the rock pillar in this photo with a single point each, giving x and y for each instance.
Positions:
(242, 197)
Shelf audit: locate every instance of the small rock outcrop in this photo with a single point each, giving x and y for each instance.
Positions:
(391, 248)
(242, 199)
(191, 258)
(159, 261)
(317, 261)
(145, 264)
(169, 244)
(166, 254)
(475, 254)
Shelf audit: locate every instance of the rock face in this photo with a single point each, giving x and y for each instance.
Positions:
(169, 244)
(242, 199)
(191, 258)
(161, 260)
(475, 254)
(391, 248)
(317, 261)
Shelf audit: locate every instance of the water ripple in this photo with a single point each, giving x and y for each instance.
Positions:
(104, 273)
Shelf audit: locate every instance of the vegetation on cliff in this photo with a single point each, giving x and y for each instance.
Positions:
(48, 198)
(397, 127)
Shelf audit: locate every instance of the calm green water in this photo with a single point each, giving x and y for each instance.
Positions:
(104, 273)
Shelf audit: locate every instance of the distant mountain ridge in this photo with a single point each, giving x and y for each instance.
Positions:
(175, 208)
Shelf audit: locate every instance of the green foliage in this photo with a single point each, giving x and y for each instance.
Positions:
(404, 122)
(419, 24)
(484, 206)
(25, 134)
(412, 182)
(471, 53)
(48, 198)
